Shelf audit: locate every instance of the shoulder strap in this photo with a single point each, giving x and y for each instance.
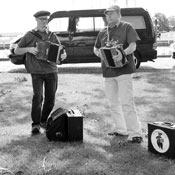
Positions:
(53, 33)
(50, 35)
(39, 36)
(36, 34)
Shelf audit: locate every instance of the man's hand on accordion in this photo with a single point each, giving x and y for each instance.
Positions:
(32, 50)
(117, 56)
(63, 55)
(97, 52)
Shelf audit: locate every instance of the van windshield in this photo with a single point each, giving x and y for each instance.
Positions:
(137, 22)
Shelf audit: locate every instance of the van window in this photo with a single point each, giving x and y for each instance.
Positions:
(59, 24)
(90, 24)
(137, 22)
(85, 24)
(100, 23)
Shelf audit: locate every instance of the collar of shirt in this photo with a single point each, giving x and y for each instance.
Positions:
(44, 31)
(115, 26)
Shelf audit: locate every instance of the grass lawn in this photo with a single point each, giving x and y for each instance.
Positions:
(99, 154)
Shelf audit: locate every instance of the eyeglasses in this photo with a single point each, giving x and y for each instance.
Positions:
(43, 19)
(111, 13)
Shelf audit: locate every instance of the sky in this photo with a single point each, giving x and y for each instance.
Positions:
(17, 15)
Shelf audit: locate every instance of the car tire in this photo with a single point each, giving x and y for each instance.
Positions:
(137, 60)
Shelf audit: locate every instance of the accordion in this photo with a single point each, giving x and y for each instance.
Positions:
(49, 52)
(113, 57)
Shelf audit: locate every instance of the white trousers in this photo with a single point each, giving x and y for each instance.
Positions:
(119, 92)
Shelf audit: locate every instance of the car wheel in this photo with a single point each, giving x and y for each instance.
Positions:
(137, 60)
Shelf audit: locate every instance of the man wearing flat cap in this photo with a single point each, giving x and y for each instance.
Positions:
(43, 73)
(118, 81)
(41, 14)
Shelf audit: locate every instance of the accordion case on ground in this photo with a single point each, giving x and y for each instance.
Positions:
(109, 55)
(161, 139)
(49, 52)
(75, 125)
(65, 125)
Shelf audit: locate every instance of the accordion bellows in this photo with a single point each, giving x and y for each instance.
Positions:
(114, 57)
(49, 52)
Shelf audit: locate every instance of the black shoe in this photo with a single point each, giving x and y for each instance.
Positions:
(43, 125)
(136, 140)
(35, 130)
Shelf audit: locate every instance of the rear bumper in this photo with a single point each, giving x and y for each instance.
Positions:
(148, 55)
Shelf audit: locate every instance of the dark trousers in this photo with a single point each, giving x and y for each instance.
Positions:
(44, 89)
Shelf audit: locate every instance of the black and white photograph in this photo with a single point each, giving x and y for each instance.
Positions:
(87, 87)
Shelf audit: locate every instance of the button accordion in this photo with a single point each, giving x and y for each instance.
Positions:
(113, 57)
(50, 52)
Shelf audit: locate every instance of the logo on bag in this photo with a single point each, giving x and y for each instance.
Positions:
(160, 141)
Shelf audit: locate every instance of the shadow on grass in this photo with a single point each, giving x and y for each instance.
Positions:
(35, 155)
(105, 156)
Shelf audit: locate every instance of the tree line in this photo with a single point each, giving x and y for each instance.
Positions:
(162, 23)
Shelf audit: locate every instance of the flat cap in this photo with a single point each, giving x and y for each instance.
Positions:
(113, 8)
(41, 13)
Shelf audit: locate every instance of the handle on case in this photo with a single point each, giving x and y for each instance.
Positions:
(168, 123)
(71, 111)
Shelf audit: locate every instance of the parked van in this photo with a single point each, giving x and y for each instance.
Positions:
(78, 30)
